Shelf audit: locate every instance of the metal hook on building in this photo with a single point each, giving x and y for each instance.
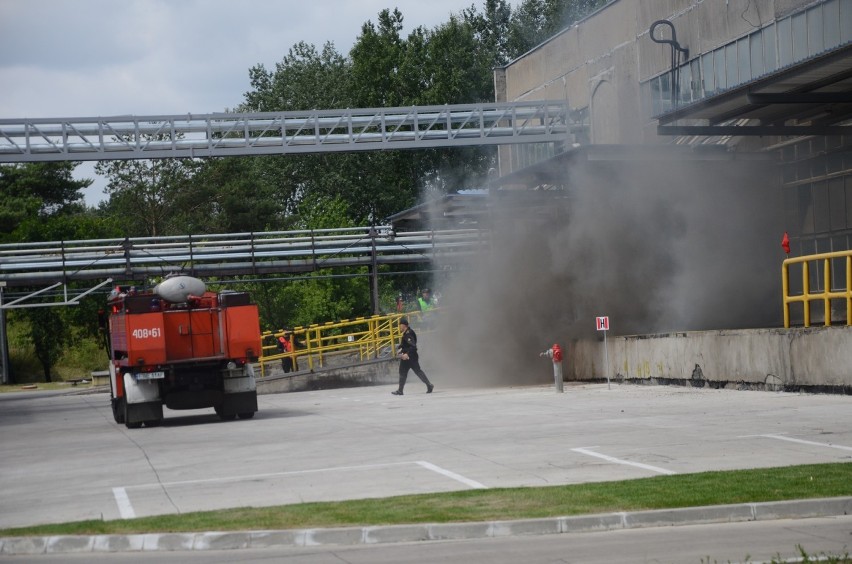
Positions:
(676, 52)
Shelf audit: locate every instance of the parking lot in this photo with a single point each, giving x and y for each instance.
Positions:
(63, 458)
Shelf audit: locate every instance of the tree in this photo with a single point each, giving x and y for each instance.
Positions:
(376, 59)
(491, 29)
(33, 192)
(534, 21)
(304, 80)
(143, 192)
(48, 334)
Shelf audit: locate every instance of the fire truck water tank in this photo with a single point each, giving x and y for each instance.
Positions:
(178, 288)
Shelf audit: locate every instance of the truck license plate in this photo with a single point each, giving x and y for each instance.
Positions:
(150, 375)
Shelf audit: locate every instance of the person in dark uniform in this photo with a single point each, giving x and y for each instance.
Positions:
(409, 360)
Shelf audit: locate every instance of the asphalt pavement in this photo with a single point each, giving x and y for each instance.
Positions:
(62, 457)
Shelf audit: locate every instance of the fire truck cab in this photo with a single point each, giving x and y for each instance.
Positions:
(181, 346)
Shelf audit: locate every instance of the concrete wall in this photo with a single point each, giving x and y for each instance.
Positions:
(817, 359)
(371, 373)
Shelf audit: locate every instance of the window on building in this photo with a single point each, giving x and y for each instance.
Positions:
(816, 36)
(806, 212)
(695, 72)
(837, 203)
(655, 96)
(743, 60)
(731, 65)
(719, 64)
(785, 42)
(708, 75)
(755, 48)
(770, 53)
(665, 92)
(845, 22)
(800, 36)
(685, 84)
(831, 23)
(822, 222)
(848, 181)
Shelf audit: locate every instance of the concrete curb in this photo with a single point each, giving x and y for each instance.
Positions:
(796, 509)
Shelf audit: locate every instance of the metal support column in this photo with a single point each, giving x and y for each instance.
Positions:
(374, 273)
(5, 375)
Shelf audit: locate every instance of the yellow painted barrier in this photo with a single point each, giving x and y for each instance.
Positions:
(809, 294)
(363, 338)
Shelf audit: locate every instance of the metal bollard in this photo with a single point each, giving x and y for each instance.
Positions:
(555, 353)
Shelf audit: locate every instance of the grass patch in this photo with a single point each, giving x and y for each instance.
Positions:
(686, 490)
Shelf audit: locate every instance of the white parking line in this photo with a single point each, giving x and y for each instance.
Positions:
(125, 508)
(620, 461)
(250, 477)
(803, 442)
(453, 475)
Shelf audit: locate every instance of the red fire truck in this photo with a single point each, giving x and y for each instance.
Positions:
(181, 346)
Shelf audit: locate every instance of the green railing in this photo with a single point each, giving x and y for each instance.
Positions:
(815, 288)
(360, 339)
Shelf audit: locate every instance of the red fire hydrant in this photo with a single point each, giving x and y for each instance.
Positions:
(555, 353)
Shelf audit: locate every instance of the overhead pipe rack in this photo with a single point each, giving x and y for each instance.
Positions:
(141, 258)
(230, 134)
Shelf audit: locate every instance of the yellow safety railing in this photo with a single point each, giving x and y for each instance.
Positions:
(363, 338)
(826, 295)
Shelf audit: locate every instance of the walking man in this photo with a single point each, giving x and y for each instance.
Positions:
(409, 360)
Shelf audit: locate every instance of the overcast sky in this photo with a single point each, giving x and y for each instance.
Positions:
(88, 58)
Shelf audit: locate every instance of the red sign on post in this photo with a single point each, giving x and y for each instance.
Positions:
(602, 323)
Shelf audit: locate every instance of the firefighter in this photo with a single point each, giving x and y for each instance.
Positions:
(285, 345)
(425, 301)
(409, 359)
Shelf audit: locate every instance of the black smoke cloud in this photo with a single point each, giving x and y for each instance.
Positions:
(657, 246)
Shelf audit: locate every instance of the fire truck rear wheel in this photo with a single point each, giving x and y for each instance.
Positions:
(246, 415)
(118, 410)
(220, 411)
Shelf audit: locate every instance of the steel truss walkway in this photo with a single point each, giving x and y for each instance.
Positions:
(141, 258)
(225, 134)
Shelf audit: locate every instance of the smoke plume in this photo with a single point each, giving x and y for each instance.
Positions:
(656, 246)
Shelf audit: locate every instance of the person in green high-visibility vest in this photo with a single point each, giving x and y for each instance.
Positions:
(425, 301)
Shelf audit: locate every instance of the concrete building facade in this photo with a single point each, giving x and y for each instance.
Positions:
(709, 85)
(622, 84)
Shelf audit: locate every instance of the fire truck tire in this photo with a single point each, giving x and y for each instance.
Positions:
(246, 415)
(118, 410)
(223, 415)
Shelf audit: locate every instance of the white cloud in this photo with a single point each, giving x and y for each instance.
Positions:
(105, 57)
(83, 58)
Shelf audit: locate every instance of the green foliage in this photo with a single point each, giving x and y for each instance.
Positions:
(143, 195)
(534, 21)
(717, 488)
(33, 193)
(48, 334)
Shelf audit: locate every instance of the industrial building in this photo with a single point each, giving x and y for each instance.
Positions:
(725, 124)
(685, 79)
